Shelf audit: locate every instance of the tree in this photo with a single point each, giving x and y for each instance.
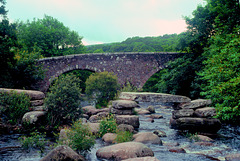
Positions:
(51, 36)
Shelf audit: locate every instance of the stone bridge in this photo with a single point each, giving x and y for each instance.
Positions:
(136, 68)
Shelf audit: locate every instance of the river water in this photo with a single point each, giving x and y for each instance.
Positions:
(227, 142)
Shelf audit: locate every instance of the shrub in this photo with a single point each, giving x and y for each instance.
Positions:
(128, 87)
(123, 136)
(15, 106)
(63, 100)
(107, 125)
(35, 140)
(80, 137)
(102, 87)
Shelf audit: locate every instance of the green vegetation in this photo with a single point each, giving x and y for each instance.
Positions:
(80, 137)
(123, 136)
(107, 125)
(35, 140)
(102, 87)
(14, 106)
(63, 100)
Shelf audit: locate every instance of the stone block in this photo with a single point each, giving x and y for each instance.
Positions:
(128, 119)
(182, 113)
(195, 104)
(205, 112)
(124, 104)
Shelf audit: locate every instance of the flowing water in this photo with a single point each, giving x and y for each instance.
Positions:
(227, 142)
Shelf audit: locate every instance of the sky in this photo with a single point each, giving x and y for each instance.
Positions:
(106, 21)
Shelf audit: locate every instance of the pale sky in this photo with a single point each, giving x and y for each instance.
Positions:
(105, 21)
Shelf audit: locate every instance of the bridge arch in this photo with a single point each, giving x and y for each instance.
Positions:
(135, 68)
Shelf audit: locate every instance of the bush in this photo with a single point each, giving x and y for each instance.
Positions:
(80, 137)
(123, 136)
(102, 87)
(107, 125)
(63, 100)
(14, 106)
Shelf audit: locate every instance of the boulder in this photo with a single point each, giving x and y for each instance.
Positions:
(128, 119)
(124, 151)
(155, 116)
(205, 112)
(36, 102)
(198, 103)
(94, 127)
(160, 133)
(147, 137)
(233, 157)
(33, 117)
(124, 104)
(34, 95)
(62, 153)
(153, 97)
(98, 117)
(182, 113)
(142, 159)
(177, 150)
(89, 110)
(151, 109)
(109, 137)
(143, 112)
(38, 108)
(208, 125)
(204, 138)
(121, 111)
(63, 137)
(125, 127)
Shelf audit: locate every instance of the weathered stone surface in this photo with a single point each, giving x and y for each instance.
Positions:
(182, 113)
(33, 117)
(38, 108)
(233, 157)
(147, 137)
(159, 133)
(124, 151)
(34, 95)
(98, 117)
(195, 104)
(109, 137)
(153, 97)
(204, 138)
(177, 150)
(208, 125)
(94, 127)
(36, 102)
(128, 119)
(124, 104)
(121, 112)
(155, 116)
(62, 153)
(143, 112)
(142, 159)
(90, 110)
(151, 109)
(63, 137)
(125, 127)
(205, 112)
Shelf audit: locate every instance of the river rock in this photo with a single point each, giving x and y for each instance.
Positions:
(198, 103)
(142, 159)
(98, 117)
(233, 157)
(38, 108)
(89, 110)
(153, 97)
(125, 127)
(109, 137)
(177, 150)
(128, 119)
(36, 102)
(204, 138)
(124, 104)
(33, 117)
(208, 125)
(205, 112)
(151, 109)
(62, 153)
(94, 127)
(147, 137)
(121, 112)
(160, 133)
(34, 95)
(182, 113)
(143, 112)
(124, 151)
(155, 116)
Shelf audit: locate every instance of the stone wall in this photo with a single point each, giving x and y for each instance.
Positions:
(136, 68)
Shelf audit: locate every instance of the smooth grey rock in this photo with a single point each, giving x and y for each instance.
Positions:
(125, 127)
(151, 109)
(142, 159)
(153, 97)
(195, 104)
(205, 112)
(94, 127)
(33, 117)
(155, 116)
(182, 113)
(109, 137)
(147, 137)
(128, 119)
(124, 151)
(121, 111)
(160, 133)
(124, 104)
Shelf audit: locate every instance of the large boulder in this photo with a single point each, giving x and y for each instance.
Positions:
(153, 97)
(147, 137)
(62, 153)
(182, 113)
(198, 103)
(94, 127)
(36, 102)
(124, 104)
(205, 112)
(109, 137)
(124, 151)
(33, 117)
(142, 159)
(121, 112)
(207, 125)
(125, 127)
(128, 119)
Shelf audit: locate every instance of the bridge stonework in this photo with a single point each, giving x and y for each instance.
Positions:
(136, 68)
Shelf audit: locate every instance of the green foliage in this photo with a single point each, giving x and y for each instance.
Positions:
(51, 36)
(35, 140)
(192, 137)
(102, 87)
(15, 106)
(123, 136)
(80, 137)
(221, 75)
(63, 100)
(107, 125)
(128, 87)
